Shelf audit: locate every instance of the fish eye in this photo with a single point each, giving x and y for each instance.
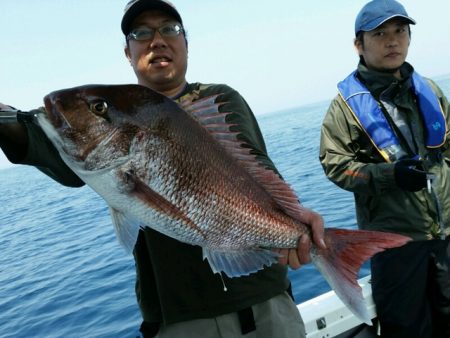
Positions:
(99, 107)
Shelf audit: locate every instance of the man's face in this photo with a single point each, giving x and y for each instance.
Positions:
(386, 47)
(161, 62)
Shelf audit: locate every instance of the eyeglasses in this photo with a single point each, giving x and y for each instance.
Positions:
(146, 33)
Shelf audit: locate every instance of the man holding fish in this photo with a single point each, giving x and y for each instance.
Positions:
(177, 292)
(188, 160)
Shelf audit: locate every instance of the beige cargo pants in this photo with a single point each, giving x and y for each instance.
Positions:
(276, 318)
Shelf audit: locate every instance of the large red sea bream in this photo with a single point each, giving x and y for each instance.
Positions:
(184, 173)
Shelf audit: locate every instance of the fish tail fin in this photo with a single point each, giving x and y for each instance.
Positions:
(340, 262)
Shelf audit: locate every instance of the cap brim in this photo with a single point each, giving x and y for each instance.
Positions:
(376, 23)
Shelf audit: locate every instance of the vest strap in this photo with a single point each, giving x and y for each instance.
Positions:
(371, 118)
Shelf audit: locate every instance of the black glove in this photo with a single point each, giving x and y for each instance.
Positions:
(409, 175)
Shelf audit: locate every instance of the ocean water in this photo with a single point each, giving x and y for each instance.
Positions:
(62, 271)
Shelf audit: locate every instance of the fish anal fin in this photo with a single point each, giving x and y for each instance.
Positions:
(239, 263)
(346, 252)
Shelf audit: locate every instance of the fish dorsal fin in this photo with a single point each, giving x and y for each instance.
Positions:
(206, 112)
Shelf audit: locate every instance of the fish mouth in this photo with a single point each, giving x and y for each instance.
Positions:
(54, 109)
(47, 123)
(48, 106)
(58, 128)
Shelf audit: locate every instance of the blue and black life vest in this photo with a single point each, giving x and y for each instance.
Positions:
(369, 115)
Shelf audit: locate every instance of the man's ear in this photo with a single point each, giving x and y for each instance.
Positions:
(358, 46)
(127, 53)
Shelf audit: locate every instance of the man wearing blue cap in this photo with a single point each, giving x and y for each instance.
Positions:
(385, 138)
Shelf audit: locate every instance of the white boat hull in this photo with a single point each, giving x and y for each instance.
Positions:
(326, 316)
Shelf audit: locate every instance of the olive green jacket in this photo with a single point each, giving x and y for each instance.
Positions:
(173, 281)
(351, 161)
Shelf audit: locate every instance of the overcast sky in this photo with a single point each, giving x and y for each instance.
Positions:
(277, 56)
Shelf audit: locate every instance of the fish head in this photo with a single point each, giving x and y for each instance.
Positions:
(93, 126)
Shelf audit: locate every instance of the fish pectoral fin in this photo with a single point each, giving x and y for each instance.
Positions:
(154, 200)
(340, 262)
(239, 263)
(126, 229)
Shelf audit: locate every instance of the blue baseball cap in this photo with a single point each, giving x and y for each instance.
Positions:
(377, 12)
